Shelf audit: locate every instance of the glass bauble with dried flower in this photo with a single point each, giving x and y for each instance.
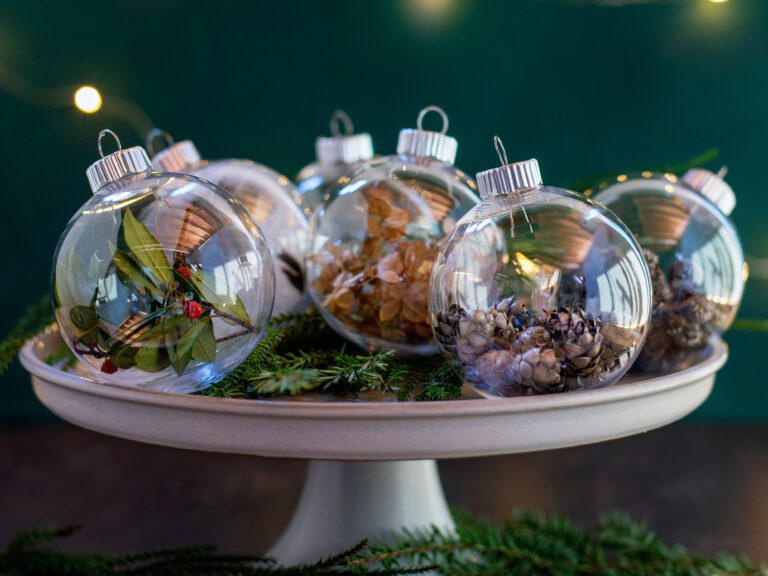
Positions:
(373, 243)
(337, 155)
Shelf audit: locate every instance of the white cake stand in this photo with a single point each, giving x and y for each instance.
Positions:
(372, 467)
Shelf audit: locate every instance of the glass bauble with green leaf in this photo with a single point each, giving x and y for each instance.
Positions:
(161, 281)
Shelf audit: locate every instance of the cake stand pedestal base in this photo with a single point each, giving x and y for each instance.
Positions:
(343, 503)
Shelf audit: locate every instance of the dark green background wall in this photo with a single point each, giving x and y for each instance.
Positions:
(585, 89)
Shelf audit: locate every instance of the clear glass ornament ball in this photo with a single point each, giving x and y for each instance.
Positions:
(372, 246)
(695, 256)
(337, 155)
(163, 282)
(315, 182)
(282, 216)
(540, 290)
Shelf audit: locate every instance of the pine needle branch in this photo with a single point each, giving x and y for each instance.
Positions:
(529, 544)
(33, 319)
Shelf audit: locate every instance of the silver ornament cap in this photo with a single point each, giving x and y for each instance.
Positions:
(508, 178)
(176, 156)
(343, 147)
(117, 165)
(713, 187)
(426, 143)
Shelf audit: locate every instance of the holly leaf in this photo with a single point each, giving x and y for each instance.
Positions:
(178, 356)
(204, 348)
(204, 285)
(124, 357)
(146, 249)
(84, 317)
(86, 324)
(129, 273)
(175, 325)
(151, 357)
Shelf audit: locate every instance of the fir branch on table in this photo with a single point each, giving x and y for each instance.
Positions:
(530, 544)
(33, 319)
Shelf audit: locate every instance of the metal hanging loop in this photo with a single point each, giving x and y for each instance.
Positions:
(101, 137)
(338, 119)
(427, 110)
(500, 150)
(156, 133)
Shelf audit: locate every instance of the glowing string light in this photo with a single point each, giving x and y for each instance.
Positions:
(88, 99)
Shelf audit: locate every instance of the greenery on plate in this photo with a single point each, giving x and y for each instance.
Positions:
(301, 353)
(530, 544)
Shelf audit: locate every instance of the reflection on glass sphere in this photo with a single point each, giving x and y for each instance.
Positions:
(162, 281)
(695, 258)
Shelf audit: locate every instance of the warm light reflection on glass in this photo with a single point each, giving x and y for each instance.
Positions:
(528, 266)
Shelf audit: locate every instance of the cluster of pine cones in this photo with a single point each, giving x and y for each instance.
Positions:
(514, 351)
(683, 319)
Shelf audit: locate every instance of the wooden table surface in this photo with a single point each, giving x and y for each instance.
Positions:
(702, 485)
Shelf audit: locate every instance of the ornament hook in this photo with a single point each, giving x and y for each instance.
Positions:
(427, 110)
(500, 150)
(156, 133)
(338, 119)
(723, 172)
(101, 137)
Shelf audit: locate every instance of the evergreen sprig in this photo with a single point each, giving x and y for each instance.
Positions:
(33, 319)
(530, 544)
(301, 353)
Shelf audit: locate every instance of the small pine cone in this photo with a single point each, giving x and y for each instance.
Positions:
(583, 354)
(447, 326)
(581, 344)
(538, 369)
(475, 336)
(491, 367)
(517, 312)
(558, 323)
(681, 279)
(533, 337)
(661, 290)
(689, 323)
(505, 330)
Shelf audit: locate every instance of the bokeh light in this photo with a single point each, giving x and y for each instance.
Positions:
(88, 99)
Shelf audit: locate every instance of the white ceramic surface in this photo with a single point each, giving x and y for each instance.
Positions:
(370, 491)
(369, 430)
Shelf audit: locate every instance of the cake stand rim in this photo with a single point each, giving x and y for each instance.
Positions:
(34, 364)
